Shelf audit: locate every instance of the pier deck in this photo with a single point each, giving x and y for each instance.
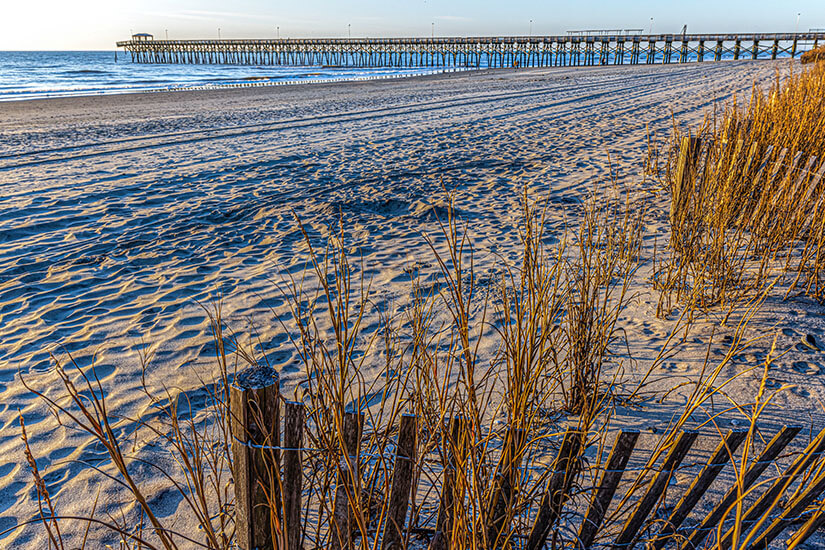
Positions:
(513, 51)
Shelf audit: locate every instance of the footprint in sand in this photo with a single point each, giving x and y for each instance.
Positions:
(772, 383)
(800, 391)
(804, 367)
(809, 342)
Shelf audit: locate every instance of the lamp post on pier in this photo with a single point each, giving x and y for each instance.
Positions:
(349, 30)
(219, 33)
(531, 28)
(432, 30)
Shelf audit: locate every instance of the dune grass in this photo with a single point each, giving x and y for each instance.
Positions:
(554, 316)
(749, 211)
(813, 56)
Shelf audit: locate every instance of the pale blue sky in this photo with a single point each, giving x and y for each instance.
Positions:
(97, 24)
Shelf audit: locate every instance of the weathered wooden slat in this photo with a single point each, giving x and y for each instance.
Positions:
(752, 200)
(612, 475)
(763, 166)
(722, 455)
(294, 415)
(347, 481)
(504, 482)
(634, 523)
(456, 441)
(765, 501)
(803, 176)
(791, 512)
(765, 459)
(565, 469)
(813, 185)
(401, 483)
(814, 523)
(689, 151)
(253, 407)
(785, 182)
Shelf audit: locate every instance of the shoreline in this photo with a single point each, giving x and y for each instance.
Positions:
(253, 82)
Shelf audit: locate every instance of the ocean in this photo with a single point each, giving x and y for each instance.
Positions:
(33, 75)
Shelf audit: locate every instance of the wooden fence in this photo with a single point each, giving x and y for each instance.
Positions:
(268, 473)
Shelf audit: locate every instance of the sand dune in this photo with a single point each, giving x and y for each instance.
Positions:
(120, 214)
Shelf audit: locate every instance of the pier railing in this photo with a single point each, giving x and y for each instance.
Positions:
(478, 52)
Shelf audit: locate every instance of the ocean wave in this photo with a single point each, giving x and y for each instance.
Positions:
(61, 74)
(86, 71)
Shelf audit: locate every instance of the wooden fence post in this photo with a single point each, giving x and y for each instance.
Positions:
(401, 483)
(446, 509)
(565, 469)
(616, 463)
(253, 406)
(683, 187)
(347, 485)
(294, 414)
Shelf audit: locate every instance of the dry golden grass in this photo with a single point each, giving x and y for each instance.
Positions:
(813, 56)
(555, 318)
(552, 317)
(752, 206)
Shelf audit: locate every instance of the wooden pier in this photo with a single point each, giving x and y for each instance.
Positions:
(480, 52)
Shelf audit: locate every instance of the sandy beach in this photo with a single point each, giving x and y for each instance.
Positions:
(120, 215)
